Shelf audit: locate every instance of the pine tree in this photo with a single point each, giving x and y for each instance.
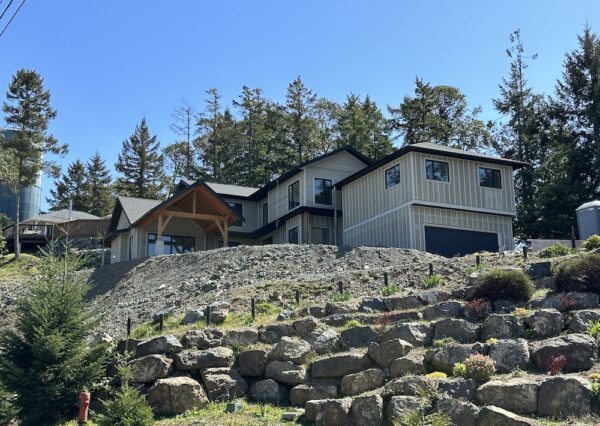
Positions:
(46, 360)
(99, 190)
(184, 117)
(141, 165)
(27, 111)
(521, 137)
(301, 123)
(71, 187)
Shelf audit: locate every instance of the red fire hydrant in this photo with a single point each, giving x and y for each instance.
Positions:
(84, 406)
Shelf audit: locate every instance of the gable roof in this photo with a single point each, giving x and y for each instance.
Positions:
(60, 216)
(223, 189)
(434, 149)
(135, 208)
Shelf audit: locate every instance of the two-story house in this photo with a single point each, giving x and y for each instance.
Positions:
(422, 196)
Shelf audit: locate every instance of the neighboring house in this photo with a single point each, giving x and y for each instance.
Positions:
(422, 196)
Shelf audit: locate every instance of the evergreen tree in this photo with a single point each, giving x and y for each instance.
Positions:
(176, 162)
(521, 137)
(46, 360)
(27, 111)
(141, 165)
(98, 187)
(440, 114)
(327, 113)
(71, 188)
(301, 122)
(183, 124)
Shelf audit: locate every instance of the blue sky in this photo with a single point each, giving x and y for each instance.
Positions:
(110, 63)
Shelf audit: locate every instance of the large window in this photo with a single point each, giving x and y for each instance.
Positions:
(323, 191)
(293, 235)
(319, 235)
(490, 178)
(294, 195)
(392, 176)
(437, 170)
(173, 244)
(265, 217)
(238, 208)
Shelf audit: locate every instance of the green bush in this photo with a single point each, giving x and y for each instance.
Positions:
(432, 281)
(593, 329)
(555, 250)
(503, 284)
(579, 274)
(480, 367)
(459, 370)
(389, 289)
(352, 323)
(8, 411)
(342, 297)
(592, 243)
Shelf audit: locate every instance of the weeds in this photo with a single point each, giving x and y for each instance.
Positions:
(593, 329)
(389, 290)
(432, 281)
(342, 297)
(440, 343)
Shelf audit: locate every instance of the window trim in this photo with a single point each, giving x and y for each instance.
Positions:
(164, 243)
(494, 170)
(297, 235)
(385, 176)
(438, 180)
(288, 195)
(240, 223)
(265, 217)
(330, 190)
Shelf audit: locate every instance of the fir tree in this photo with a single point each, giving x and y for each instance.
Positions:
(99, 190)
(71, 188)
(176, 162)
(183, 125)
(301, 122)
(46, 360)
(27, 111)
(141, 165)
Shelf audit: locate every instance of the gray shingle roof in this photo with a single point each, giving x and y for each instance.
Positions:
(60, 216)
(223, 189)
(135, 208)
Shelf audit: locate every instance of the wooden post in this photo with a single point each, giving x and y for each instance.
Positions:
(208, 315)
(341, 288)
(478, 260)
(385, 279)
(225, 234)
(573, 243)
(525, 252)
(161, 322)
(253, 307)
(297, 297)
(128, 327)
(431, 269)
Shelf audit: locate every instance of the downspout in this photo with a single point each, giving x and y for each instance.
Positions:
(334, 215)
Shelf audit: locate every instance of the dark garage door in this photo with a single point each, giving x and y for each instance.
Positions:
(451, 242)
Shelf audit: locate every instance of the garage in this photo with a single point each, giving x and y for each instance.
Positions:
(458, 242)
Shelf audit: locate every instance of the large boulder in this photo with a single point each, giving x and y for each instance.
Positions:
(291, 349)
(243, 337)
(501, 326)
(567, 301)
(367, 410)
(363, 381)
(518, 395)
(510, 355)
(285, 372)
(334, 308)
(306, 392)
(458, 388)
(384, 353)
(176, 395)
(461, 413)
(413, 363)
(545, 323)
(578, 322)
(329, 412)
(192, 316)
(431, 297)
(304, 326)
(458, 329)
(272, 333)
(161, 345)
(563, 396)
(399, 303)
(208, 358)
(400, 405)
(340, 365)
(444, 358)
(150, 368)
(252, 362)
(268, 391)
(324, 340)
(372, 304)
(407, 385)
(579, 350)
(449, 309)
(223, 384)
(359, 337)
(203, 339)
(496, 416)
(417, 334)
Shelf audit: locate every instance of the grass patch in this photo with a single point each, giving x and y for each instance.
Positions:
(539, 293)
(440, 343)
(351, 324)
(474, 268)
(26, 265)
(556, 250)
(432, 281)
(389, 290)
(342, 297)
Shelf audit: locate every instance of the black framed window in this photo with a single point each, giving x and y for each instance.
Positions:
(173, 244)
(490, 178)
(392, 176)
(293, 235)
(238, 208)
(265, 211)
(323, 191)
(437, 170)
(294, 195)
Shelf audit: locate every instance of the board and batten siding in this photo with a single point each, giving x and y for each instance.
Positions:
(471, 221)
(463, 190)
(249, 213)
(388, 230)
(278, 196)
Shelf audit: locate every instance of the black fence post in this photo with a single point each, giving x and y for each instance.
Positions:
(208, 309)
(573, 243)
(253, 307)
(161, 322)
(341, 288)
(431, 269)
(525, 254)
(297, 297)
(385, 279)
(478, 260)
(128, 327)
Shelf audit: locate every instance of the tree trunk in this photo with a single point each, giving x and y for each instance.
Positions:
(17, 242)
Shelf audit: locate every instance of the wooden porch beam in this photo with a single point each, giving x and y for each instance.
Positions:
(199, 216)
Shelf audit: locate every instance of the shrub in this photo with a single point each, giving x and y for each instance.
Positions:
(592, 243)
(419, 416)
(267, 308)
(432, 281)
(556, 364)
(8, 411)
(389, 289)
(459, 370)
(46, 360)
(595, 389)
(478, 307)
(342, 297)
(502, 284)
(2, 246)
(491, 340)
(555, 250)
(385, 320)
(474, 268)
(353, 323)
(521, 312)
(594, 376)
(480, 367)
(440, 343)
(579, 274)
(437, 375)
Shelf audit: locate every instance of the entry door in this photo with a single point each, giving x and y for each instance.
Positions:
(458, 242)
